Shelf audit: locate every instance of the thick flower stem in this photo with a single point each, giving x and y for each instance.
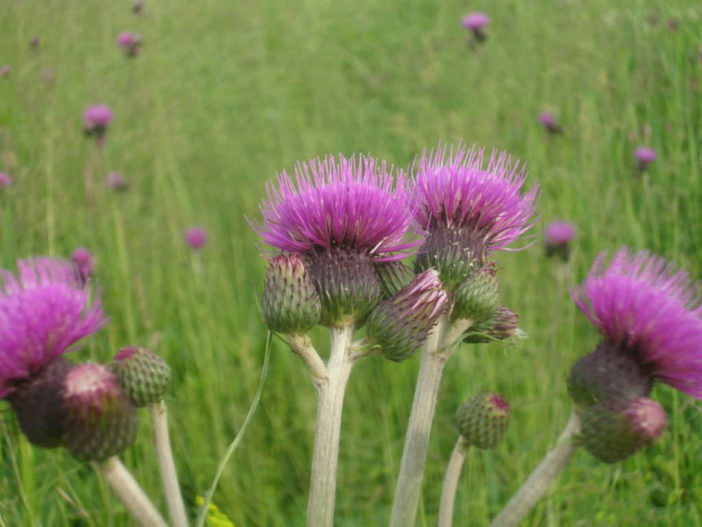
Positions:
(414, 455)
(302, 346)
(542, 477)
(320, 507)
(169, 477)
(128, 490)
(453, 473)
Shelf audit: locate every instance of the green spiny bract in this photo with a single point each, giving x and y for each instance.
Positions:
(503, 326)
(290, 302)
(393, 277)
(476, 298)
(482, 420)
(100, 421)
(402, 322)
(143, 375)
(607, 373)
(615, 429)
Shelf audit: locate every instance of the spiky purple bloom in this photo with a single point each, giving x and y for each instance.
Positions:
(125, 39)
(84, 261)
(195, 237)
(650, 310)
(5, 180)
(473, 21)
(97, 116)
(43, 311)
(644, 157)
(5, 70)
(116, 181)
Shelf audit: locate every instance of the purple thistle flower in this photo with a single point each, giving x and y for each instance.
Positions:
(96, 119)
(650, 311)
(130, 43)
(43, 311)
(549, 122)
(83, 259)
(125, 39)
(557, 238)
(5, 180)
(35, 43)
(644, 157)
(5, 70)
(116, 181)
(476, 23)
(195, 237)
(468, 210)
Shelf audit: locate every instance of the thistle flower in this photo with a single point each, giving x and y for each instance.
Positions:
(96, 119)
(476, 23)
(401, 323)
(195, 237)
(138, 7)
(130, 43)
(116, 181)
(468, 210)
(143, 375)
(648, 310)
(5, 180)
(43, 311)
(549, 123)
(644, 157)
(34, 43)
(344, 215)
(83, 259)
(482, 420)
(557, 238)
(393, 277)
(100, 421)
(5, 70)
(290, 302)
(615, 429)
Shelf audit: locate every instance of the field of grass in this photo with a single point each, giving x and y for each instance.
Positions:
(224, 95)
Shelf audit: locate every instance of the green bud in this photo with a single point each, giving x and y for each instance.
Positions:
(476, 298)
(144, 376)
(482, 420)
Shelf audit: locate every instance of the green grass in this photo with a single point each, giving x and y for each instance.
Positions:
(225, 95)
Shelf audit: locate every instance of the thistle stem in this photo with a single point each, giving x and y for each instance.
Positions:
(414, 455)
(320, 507)
(453, 473)
(539, 480)
(169, 476)
(128, 490)
(302, 346)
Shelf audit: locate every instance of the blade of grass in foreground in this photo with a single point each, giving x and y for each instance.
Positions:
(237, 439)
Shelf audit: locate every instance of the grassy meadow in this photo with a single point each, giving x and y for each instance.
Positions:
(227, 93)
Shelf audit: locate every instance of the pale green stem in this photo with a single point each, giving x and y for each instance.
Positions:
(302, 346)
(128, 490)
(453, 474)
(320, 507)
(542, 477)
(169, 476)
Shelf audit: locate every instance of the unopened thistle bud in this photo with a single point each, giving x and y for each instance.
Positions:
(143, 375)
(608, 373)
(482, 420)
(401, 323)
(393, 277)
(503, 326)
(100, 420)
(290, 302)
(476, 297)
(613, 430)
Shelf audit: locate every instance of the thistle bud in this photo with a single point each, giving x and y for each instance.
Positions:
(290, 302)
(613, 430)
(608, 373)
(476, 297)
(38, 404)
(482, 420)
(143, 375)
(348, 286)
(504, 326)
(402, 322)
(393, 277)
(100, 420)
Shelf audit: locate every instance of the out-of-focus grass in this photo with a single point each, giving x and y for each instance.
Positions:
(225, 95)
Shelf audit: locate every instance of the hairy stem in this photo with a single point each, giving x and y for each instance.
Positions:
(453, 473)
(539, 480)
(169, 476)
(303, 347)
(320, 507)
(129, 491)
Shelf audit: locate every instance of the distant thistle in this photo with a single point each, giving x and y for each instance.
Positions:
(482, 420)
(100, 421)
(644, 157)
(291, 303)
(5, 70)
(84, 261)
(195, 237)
(116, 181)
(402, 322)
(614, 430)
(131, 44)
(143, 375)
(650, 311)
(476, 23)
(557, 238)
(96, 119)
(549, 123)
(5, 180)
(344, 215)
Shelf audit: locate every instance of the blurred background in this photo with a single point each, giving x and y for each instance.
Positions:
(224, 94)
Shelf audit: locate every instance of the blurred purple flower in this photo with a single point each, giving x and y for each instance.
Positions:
(43, 311)
(649, 310)
(476, 23)
(116, 181)
(35, 43)
(5, 71)
(5, 180)
(549, 122)
(96, 119)
(130, 43)
(644, 157)
(195, 237)
(84, 261)
(557, 238)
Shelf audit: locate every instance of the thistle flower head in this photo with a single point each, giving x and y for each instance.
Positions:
(503, 326)
(644, 156)
(44, 309)
(615, 429)
(5, 180)
(195, 237)
(557, 238)
(468, 209)
(547, 119)
(649, 309)
(482, 420)
(143, 375)
(475, 21)
(100, 421)
(130, 43)
(84, 261)
(97, 117)
(476, 298)
(393, 276)
(116, 181)
(401, 323)
(125, 39)
(5, 70)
